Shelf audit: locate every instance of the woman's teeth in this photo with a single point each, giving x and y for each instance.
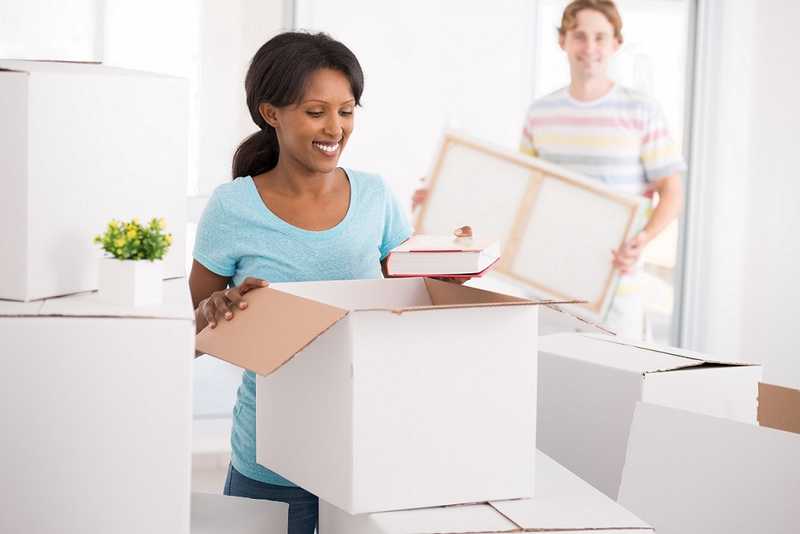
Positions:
(327, 148)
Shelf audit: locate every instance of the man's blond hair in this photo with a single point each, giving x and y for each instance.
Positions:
(606, 7)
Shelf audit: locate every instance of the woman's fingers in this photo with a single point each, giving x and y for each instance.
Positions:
(249, 284)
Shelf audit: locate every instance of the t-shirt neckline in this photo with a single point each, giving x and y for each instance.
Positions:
(314, 234)
(589, 103)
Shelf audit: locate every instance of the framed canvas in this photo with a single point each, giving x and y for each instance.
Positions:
(557, 228)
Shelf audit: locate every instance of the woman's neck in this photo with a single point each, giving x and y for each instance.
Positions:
(293, 179)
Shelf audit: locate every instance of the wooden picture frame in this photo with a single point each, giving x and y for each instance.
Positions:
(557, 228)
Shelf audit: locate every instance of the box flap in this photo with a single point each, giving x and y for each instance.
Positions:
(689, 473)
(596, 350)
(554, 318)
(215, 514)
(34, 67)
(448, 294)
(568, 513)
(275, 326)
(672, 351)
(458, 519)
(176, 305)
(563, 501)
(779, 407)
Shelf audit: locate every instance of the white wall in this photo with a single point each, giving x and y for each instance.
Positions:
(48, 29)
(743, 253)
(430, 66)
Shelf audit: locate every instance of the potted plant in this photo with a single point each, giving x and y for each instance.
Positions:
(132, 271)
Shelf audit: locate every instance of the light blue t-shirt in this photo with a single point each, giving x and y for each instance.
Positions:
(238, 236)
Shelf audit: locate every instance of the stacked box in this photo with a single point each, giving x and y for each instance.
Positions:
(96, 408)
(82, 144)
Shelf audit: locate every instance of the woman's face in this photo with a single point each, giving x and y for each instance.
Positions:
(314, 132)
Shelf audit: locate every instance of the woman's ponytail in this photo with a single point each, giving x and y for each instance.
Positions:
(257, 154)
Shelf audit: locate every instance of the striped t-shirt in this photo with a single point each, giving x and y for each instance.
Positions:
(620, 139)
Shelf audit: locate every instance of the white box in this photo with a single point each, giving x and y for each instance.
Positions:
(405, 393)
(689, 473)
(96, 410)
(589, 386)
(563, 503)
(220, 514)
(82, 144)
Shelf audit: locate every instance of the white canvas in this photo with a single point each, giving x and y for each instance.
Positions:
(689, 473)
(562, 239)
(96, 408)
(84, 144)
(544, 216)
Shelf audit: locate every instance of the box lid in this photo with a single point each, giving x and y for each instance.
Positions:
(177, 304)
(284, 318)
(34, 67)
(626, 355)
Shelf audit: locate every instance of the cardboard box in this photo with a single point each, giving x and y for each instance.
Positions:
(82, 144)
(589, 386)
(220, 514)
(96, 410)
(411, 392)
(563, 503)
(779, 407)
(689, 473)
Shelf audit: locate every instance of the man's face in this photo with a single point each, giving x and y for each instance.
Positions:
(589, 45)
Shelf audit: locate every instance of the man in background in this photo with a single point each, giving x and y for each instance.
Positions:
(610, 133)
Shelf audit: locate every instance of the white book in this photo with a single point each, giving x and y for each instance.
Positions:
(437, 255)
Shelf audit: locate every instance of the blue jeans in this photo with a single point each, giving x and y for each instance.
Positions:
(303, 506)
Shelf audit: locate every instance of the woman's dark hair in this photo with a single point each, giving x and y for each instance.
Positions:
(278, 75)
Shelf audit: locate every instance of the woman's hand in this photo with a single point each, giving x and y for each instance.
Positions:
(223, 304)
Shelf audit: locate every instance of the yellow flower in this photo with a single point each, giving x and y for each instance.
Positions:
(131, 233)
(168, 239)
(135, 220)
(162, 223)
(119, 242)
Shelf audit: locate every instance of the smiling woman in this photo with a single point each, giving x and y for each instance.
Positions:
(290, 214)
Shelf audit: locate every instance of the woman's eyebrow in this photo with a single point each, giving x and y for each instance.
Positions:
(316, 100)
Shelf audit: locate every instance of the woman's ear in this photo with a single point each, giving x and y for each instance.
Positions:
(269, 113)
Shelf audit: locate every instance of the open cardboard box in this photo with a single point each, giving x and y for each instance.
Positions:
(590, 384)
(689, 473)
(411, 392)
(562, 503)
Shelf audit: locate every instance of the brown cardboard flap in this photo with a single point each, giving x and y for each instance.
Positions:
(274, 327)
(779, 407)
(451, 294)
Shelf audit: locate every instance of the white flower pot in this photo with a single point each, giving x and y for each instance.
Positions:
(131, 282)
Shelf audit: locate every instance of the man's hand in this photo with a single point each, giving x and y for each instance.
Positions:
(628, 254)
